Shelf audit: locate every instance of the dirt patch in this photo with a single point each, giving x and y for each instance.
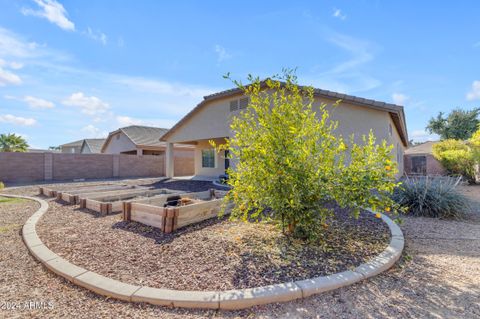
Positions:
(213, 255)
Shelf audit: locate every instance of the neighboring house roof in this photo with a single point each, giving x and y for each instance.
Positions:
(37, 150)
(396, 111)
(140, 135)
(73, 144)
(94, 144)
(421, 149)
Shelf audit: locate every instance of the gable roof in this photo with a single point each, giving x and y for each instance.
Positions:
(140, 135)
(95, 144)
(73, 144)
(396, 111)
(421, 149)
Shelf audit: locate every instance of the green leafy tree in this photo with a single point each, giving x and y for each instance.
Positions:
(12, 143)
(457, 157)
(289, 163)
(459, 124)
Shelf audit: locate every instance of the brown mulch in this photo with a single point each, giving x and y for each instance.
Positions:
(213, 255)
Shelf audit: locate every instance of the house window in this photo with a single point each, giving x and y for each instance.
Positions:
(243, 103)
(419, 165)
(233, 105)
(208, 158)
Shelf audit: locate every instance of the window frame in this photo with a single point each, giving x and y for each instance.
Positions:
(212, 153)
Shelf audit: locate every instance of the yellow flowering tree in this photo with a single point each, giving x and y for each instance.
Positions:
(289, 163)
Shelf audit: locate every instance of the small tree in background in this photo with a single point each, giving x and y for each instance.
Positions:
(290, 163)
(456, 157)
(12, 143)
(459, 124)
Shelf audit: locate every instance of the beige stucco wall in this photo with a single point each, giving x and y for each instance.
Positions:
(119, 143)
(213, 120)
(219, 159)
(85, 149)
(71, 149)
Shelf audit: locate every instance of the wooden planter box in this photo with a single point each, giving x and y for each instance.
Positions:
(73, 196)
(52, 191)
(113, 202)
(195, 208)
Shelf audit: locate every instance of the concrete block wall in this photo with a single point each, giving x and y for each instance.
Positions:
(143, 165)
(34, 167)
(73, 166)
(22, 167)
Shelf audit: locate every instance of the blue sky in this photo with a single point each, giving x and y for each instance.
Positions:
(75, 69)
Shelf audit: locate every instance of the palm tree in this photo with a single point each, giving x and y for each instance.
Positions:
(12, 143)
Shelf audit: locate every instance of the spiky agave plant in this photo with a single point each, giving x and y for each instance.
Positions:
(436, 197)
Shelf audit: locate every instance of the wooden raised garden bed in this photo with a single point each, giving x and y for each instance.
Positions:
(52, 191)
(113, 202)
(172, 212)
(73, 196)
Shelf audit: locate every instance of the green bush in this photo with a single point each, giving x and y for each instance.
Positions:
(456, 157)
(2, 186)
(289, 160)
(431, 197)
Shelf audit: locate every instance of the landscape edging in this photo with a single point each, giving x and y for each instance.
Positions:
(232, 299)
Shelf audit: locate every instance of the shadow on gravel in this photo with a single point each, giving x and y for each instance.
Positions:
(184, 185)
(159, 236)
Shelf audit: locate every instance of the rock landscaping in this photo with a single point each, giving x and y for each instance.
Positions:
(388, 295)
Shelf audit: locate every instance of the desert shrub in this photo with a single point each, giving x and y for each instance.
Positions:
(290, 161)
(456, 157)
(431, 197)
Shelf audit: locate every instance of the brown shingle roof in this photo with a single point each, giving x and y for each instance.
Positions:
(95, 144)
(424, 148)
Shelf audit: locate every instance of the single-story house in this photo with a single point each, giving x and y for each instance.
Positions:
(72, 147)
(419, 160)
(92, 145)
(210, 120)
(139, 140)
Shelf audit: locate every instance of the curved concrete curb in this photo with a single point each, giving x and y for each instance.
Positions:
(231, 299)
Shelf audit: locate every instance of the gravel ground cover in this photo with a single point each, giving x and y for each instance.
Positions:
(213, 255)
(438, 277)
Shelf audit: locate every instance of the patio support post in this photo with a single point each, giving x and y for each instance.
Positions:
(169, 162)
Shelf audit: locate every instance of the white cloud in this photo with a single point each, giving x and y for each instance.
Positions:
(53, 11)
(347, 76)
(399, 98)
(422, 136)
(96, 35)
(93, 131)
(474, 94)
(12, 65)
(90, 105)
(11, 45)
(222, 53)
(127, 121)
(337, 13)
(38, 103)
(163, 87)
(7, 77)
(33, 102)
(17, 120)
